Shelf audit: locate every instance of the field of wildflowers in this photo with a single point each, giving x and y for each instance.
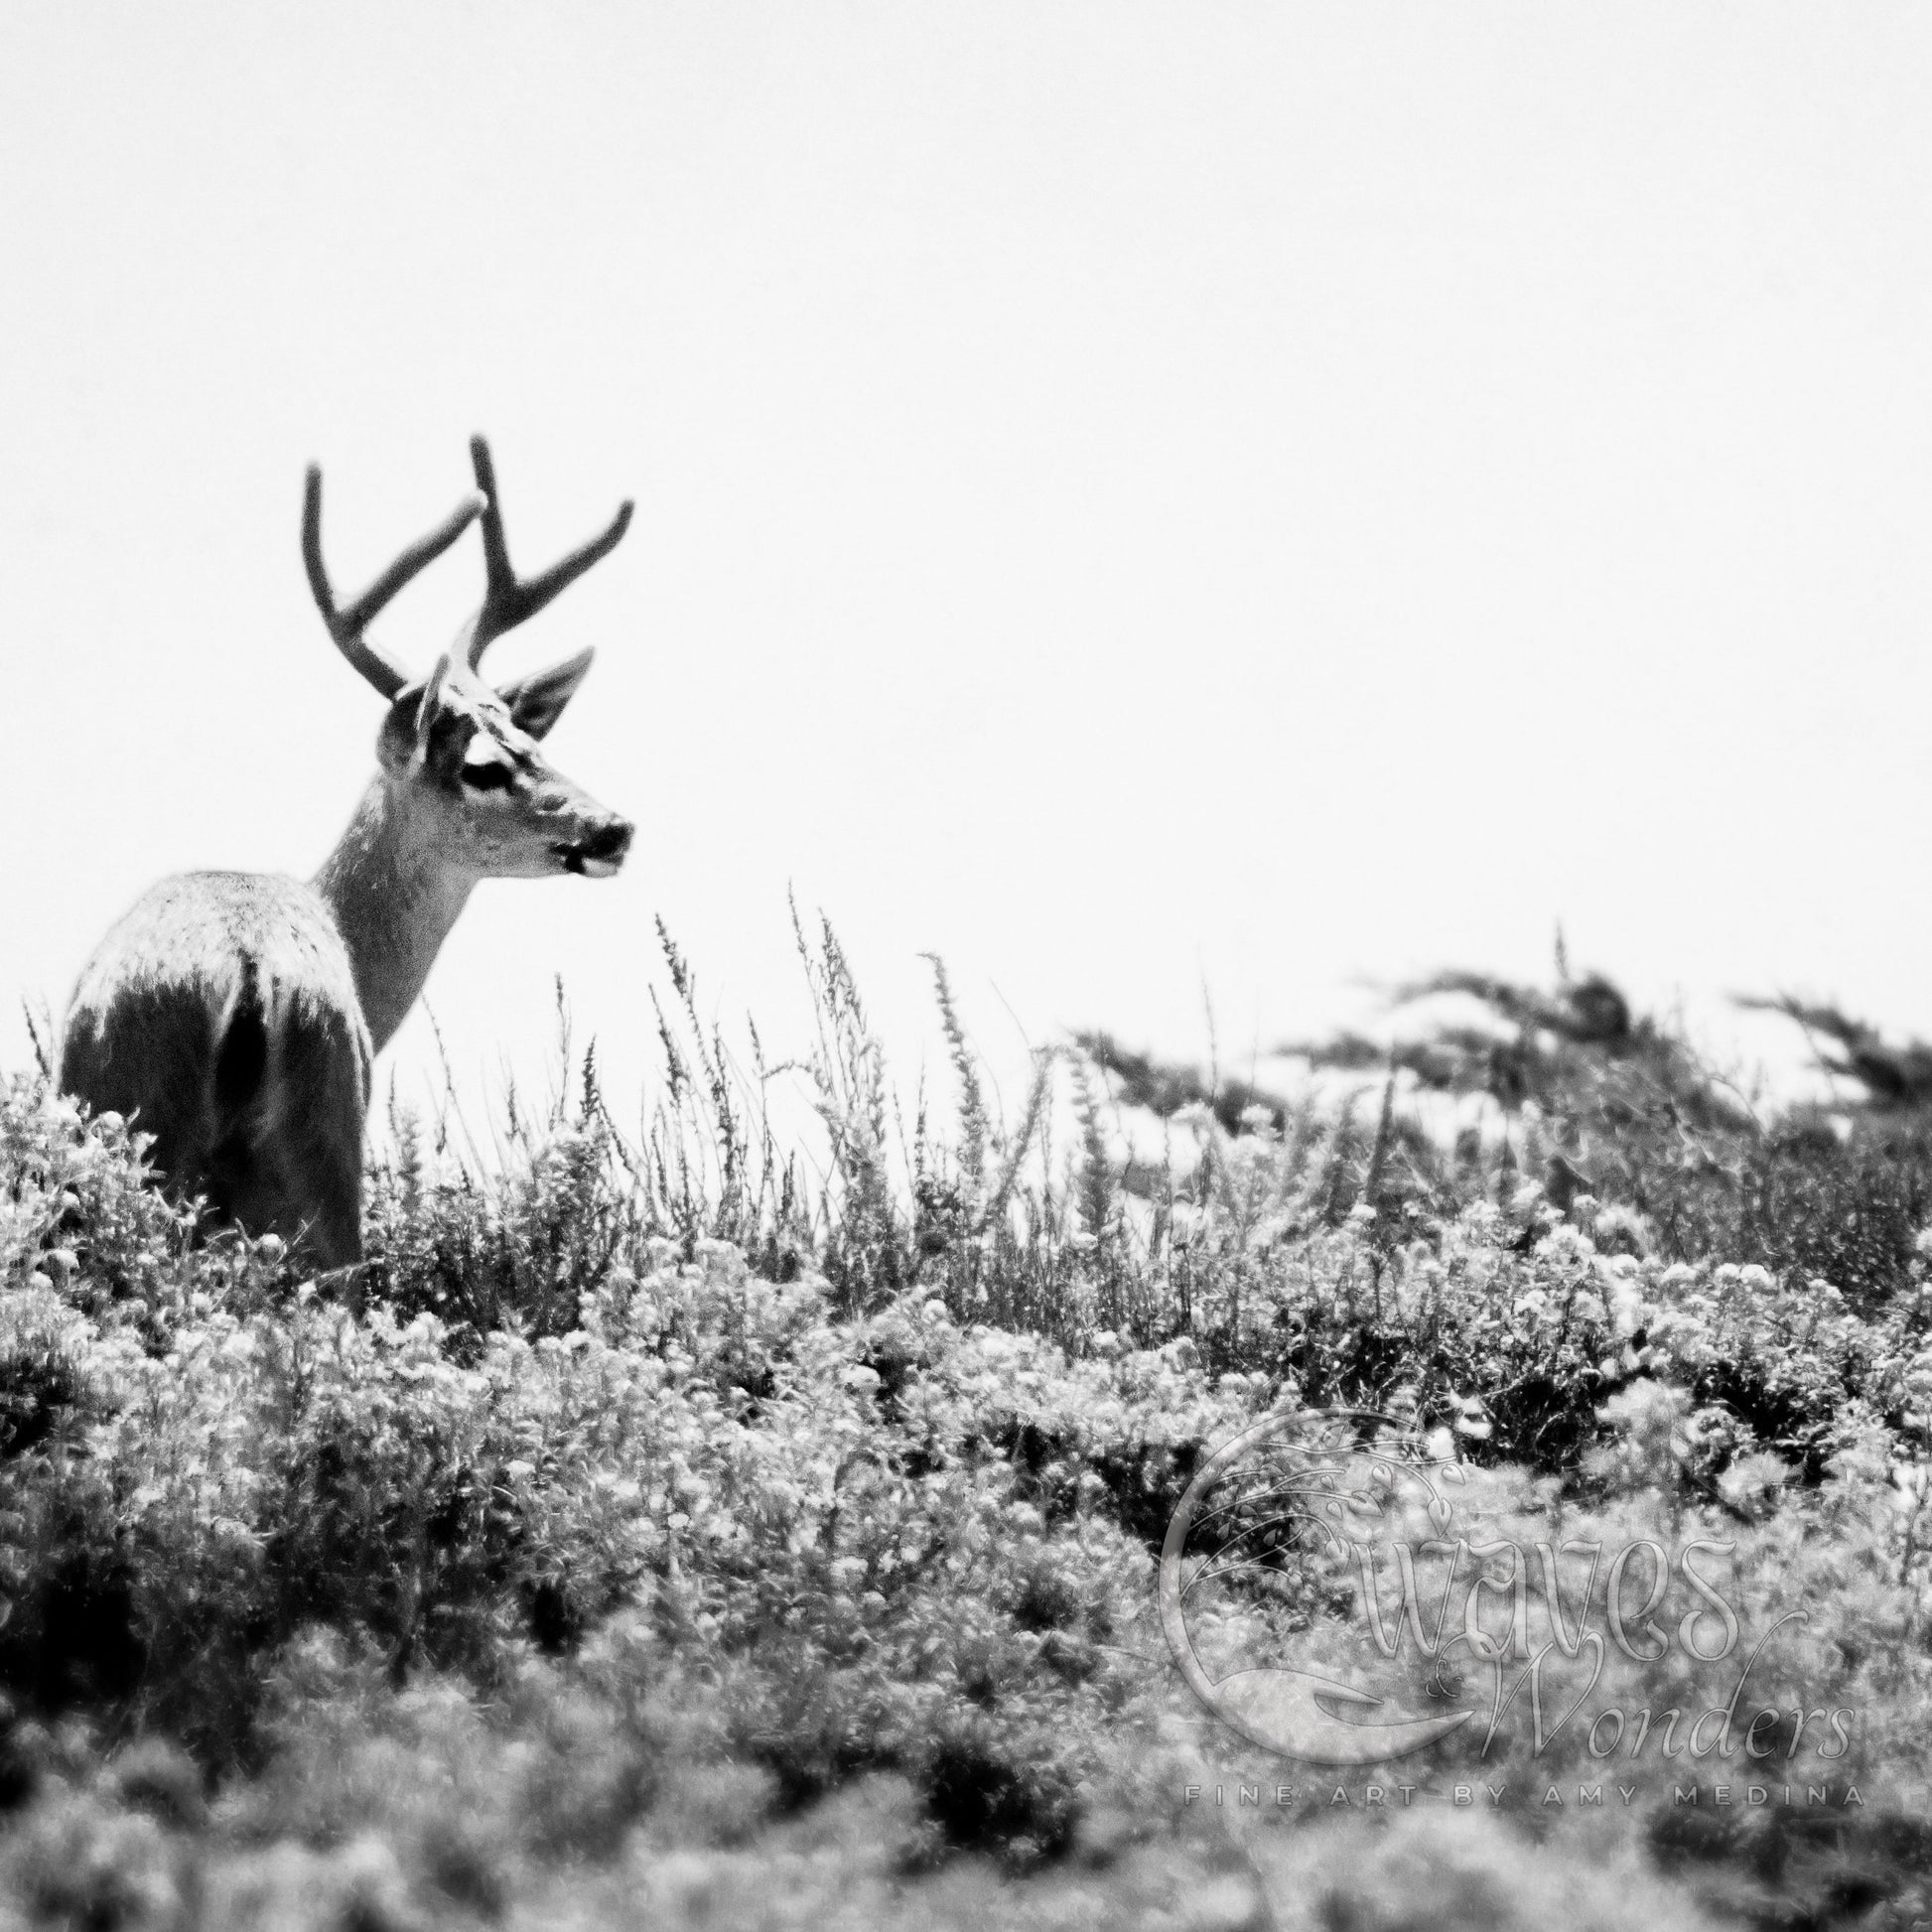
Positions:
(667, 1541)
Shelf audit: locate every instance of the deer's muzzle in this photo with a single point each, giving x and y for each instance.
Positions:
(599, 851)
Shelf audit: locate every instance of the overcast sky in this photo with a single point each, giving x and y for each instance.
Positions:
(1133, 499)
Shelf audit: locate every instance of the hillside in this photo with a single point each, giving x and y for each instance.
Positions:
(672, 1540)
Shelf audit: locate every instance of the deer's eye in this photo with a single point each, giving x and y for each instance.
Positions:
(489, 772)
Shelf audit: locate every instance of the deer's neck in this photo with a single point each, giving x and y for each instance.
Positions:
(394, 901)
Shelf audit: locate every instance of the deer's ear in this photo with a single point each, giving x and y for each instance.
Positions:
(405, 736)
(536, 702)
(395, 745)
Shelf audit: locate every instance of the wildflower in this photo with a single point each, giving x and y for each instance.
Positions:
(1626, 1307)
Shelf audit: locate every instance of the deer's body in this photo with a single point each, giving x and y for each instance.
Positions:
(235, 1016)
(220, 1014)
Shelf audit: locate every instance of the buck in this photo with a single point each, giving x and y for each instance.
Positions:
(234, 1015)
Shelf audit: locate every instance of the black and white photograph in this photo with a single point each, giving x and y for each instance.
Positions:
(963, 966)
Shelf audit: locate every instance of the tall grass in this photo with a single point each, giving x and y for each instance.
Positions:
(676, 1481)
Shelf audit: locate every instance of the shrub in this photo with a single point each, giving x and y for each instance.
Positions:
(651, 1499)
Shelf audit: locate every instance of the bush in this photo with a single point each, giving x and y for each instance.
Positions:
(651, 1501)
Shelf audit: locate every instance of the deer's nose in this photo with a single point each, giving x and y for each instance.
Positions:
(609, 841)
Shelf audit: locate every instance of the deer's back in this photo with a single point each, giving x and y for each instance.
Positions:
(221, 1014)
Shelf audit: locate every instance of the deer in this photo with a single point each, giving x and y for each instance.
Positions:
(236, 1017)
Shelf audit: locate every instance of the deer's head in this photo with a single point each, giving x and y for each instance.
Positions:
(464, 757)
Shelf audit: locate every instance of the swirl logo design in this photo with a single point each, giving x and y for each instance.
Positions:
(1275, 1519)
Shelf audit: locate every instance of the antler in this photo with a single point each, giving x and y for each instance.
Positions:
(506, 601)
(346, 626)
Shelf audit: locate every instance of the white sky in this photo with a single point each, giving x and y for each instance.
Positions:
(1129, 496)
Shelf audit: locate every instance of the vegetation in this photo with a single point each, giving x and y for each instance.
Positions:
(670, 1540)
